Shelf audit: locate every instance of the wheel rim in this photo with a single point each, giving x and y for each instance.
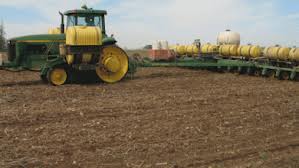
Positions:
(58, 76)
(113, 65)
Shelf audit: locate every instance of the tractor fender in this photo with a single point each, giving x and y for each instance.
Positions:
(109, 41)
(51, 64)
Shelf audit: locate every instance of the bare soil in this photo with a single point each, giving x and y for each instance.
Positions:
(164, 118)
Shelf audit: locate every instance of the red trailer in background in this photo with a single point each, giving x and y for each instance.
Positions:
(162, 55)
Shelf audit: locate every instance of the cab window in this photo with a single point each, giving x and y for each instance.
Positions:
(84, 21)
(71, 21)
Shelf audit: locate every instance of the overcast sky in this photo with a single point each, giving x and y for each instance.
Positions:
(138, 22)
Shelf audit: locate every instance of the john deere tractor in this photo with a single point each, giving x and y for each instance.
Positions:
(81, 46)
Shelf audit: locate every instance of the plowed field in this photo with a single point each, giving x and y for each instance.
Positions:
(163, 117)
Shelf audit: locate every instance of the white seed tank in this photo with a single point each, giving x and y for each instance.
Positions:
(228, 38)
(164, 45)
(157, 45)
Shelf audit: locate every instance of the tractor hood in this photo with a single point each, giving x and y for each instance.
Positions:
(42, 38)
(45, 38)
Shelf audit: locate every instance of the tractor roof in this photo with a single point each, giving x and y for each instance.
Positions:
(86, 11)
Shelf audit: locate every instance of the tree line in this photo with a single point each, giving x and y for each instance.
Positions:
(2, 37)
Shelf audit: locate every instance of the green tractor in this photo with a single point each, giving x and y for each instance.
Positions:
(81, 46)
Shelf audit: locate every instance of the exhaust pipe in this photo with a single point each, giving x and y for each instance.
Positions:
(62, 23)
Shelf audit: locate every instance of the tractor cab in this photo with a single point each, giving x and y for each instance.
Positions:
(84, 17)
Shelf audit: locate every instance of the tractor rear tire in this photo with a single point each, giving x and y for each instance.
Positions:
(113, 64)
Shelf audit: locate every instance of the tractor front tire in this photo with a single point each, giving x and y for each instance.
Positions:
(57, 76)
